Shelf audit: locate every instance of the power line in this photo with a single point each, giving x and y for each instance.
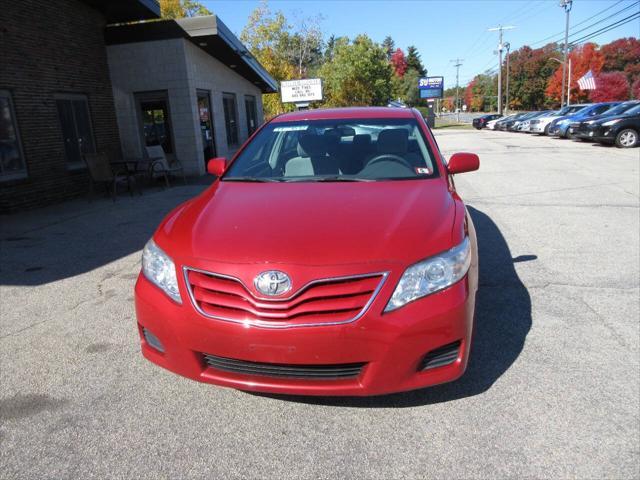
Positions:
(555, 35)
(607, 28)
(580, 23)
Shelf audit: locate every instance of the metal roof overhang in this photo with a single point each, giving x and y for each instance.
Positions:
(117, 11)
(209, 34)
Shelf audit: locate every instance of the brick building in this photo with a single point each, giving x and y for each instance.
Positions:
(57, 92)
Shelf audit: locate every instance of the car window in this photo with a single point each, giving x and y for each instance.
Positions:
(335, 150)
(633, 111)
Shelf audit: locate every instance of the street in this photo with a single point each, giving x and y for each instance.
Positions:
(552, 389)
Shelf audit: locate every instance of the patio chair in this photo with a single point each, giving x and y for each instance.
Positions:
(101, 172)
(161, 167)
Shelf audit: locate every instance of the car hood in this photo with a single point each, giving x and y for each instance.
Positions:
(312, 223)
(613, 117)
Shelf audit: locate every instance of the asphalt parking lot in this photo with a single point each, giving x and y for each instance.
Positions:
(552, 389)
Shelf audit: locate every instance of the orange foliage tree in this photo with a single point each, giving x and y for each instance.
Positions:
(583, 58)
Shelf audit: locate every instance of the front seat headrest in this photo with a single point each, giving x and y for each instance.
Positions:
(393, 140)
(362, 141)
(311, 145)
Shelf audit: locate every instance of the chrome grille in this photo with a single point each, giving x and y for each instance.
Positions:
(322, 302)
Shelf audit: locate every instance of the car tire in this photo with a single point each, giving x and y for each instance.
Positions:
(627, 138)
(546, 131)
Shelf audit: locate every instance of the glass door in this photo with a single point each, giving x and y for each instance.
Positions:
(206, 126)
(155, 120)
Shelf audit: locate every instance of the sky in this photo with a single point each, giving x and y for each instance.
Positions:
(446, 30)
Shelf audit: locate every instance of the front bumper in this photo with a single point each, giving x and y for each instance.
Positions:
(391, 346)
(599, 134)
(537, 127)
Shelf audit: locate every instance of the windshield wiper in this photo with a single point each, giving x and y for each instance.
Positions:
(329, 179)
(249, 179)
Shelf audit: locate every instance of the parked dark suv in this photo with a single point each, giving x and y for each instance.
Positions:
(623, 130)
(481, 122)
(579, 129)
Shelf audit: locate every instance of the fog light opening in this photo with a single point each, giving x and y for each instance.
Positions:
(441, 356)
(152, 340)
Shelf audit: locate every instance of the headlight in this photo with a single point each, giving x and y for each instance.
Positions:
(611, 122)
(431, 275)
(160, 270)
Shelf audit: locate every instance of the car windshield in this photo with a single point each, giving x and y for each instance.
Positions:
(575, 109)
(618, 109)
(335, 150)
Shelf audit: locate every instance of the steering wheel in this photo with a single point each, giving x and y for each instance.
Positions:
(389, 157)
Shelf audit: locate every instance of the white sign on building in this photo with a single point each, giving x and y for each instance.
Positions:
(301, 91)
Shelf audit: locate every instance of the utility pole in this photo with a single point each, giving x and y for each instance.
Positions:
(507, 45)
(569, 85)
(457, 63)
(566, 4)
(499, 29)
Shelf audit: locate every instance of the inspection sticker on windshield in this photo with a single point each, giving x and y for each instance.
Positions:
(423, 171)
(293, 128)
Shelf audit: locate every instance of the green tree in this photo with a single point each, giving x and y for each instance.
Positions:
(358, 74)
(266, 36)
(182, 8)
(414, 61)
(405, 88)
(389, 46)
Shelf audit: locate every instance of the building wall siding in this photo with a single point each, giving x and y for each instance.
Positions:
(180, 68)
(62, 52)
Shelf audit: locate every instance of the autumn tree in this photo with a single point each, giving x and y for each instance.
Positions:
(583, 58)
(285, 51)
(399, 63)
(358, 74)
(529, 73)
(468, 97)
(622, 55)
(414, 61)
(635, 89)
(182, 8)
(610, 86)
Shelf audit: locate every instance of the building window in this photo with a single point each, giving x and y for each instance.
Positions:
(230, 118)
(12, 163)
(252, 114)
(155, 119)
(75, 122)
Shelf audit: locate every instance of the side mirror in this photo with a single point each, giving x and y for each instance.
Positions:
(463, 162)
(217, 166)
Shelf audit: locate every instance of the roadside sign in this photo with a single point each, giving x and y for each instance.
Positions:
(301, 91)
(431, 87)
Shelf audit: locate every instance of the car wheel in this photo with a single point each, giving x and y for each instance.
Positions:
(627, 138)
(546, 130)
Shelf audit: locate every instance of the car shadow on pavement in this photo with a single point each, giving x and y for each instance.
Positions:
(68, 239)
(503, 320)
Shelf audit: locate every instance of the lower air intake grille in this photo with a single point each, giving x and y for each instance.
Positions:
(310, 372)
(441, 356)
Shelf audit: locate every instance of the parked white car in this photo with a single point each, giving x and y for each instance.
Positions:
(540, 125)
(491, 125)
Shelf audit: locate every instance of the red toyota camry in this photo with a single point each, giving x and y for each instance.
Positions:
(331, 256)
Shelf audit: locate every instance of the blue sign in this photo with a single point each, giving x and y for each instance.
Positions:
(431, 87)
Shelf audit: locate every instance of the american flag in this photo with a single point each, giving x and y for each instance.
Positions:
(587, 82)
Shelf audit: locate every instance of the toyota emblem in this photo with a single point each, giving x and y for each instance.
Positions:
(272, 283)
